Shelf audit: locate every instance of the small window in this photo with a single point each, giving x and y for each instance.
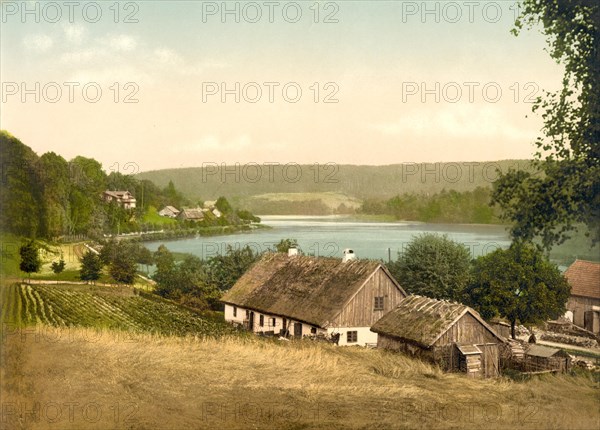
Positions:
(261, 321)
(313, 330)
(273, 322)
(378, 303)
(352, 337)
(235, 311)
(247, 314)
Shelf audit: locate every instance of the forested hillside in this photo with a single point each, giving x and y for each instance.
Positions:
(362, 182)
(49, 197)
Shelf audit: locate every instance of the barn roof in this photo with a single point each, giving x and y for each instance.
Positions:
(543, 351)
(191, 214)
(309, 289)
(424, 320)
(584, 278)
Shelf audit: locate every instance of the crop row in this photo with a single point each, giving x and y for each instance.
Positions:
(62, 306)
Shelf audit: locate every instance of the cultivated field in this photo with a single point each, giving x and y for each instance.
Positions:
(120, 308)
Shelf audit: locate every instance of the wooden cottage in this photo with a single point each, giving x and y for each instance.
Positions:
(584, 303)
(169, 212)
(290, 294)
(540, 358)
(449, 334)
(194, 214)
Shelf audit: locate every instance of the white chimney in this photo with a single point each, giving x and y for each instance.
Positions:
(292, 252)
(348, 255)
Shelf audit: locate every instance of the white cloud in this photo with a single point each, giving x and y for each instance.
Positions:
(74, 33)
(122, 42)
(38, 42)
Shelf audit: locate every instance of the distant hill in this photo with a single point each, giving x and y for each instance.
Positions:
(239, 182)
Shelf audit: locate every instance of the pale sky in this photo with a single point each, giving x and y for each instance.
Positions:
(376, 60)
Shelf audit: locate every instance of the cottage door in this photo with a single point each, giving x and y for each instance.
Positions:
(251, 321)
(297, 329)
(490, 365)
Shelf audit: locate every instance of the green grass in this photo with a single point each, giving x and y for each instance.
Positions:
(9, 255)
(152, 216)
(104, 308)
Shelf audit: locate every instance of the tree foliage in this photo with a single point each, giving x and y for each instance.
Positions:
(224, 270)
(122, 267)
(285, 244)
(564, 189)
(519, 284)
(91, 267)
(30, 258)
(433, 266)
(58, 266)
(223, 205)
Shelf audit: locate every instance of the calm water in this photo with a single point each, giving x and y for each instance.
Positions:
(330, 235)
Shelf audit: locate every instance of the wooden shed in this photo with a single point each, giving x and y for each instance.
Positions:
(540, 358)
(447, 333)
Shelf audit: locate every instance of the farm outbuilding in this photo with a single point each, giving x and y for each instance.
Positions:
(446, 333)
(540, 358)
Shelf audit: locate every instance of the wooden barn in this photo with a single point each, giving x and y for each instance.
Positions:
(290, 294)
(446, 333)
(584, 303)
(540, 358)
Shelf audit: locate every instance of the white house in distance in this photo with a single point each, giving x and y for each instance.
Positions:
(291, 294)
(169, 212)
(123, 198)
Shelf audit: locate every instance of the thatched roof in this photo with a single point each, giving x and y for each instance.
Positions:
(423, 320)
(309, 289)
(584, 278)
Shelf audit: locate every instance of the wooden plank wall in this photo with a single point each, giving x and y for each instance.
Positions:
(359, 312)
(468, 331)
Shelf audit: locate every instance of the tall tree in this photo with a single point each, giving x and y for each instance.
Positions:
(433, 266)
(223, 205)
(91, 267)
(564, 190)
(56, 185)
(122, 267)
(30, 258)
(19, 188)
(224, 270)
(519, 284)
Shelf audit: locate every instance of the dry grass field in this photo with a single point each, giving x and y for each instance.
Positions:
(74, 378)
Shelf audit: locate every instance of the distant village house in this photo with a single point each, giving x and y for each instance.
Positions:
(195, 214)
(290, 294)
(169, 212)
(446, 333)
(123, 198)
(584, 304)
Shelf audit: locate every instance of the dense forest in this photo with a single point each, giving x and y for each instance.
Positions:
(49, 197)
(472, 207)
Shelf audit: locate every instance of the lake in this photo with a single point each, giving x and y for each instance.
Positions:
(328, 236)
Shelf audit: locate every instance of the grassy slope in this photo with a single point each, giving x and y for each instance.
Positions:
(233, 383)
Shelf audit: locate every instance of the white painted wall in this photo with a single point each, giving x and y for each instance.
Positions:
(364, 335)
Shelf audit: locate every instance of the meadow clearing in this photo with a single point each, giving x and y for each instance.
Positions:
(114, 375)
